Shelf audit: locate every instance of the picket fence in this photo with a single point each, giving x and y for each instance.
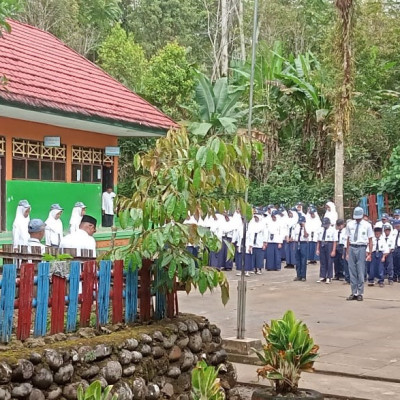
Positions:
(374, 205)
(35, 301)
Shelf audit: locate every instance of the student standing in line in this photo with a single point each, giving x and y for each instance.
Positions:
(274, 243)
(257, 241)
(396, 250)
(338, 261)
(326, 249)
(388, 264)
(78, 212)
(380, 250)
(300, 238)
(240, 242)
(313, 223)
(331, 212)
(293, 219)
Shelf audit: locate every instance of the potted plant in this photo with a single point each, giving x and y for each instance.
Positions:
(288, 351)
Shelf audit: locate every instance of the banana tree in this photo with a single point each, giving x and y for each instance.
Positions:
(218, 107)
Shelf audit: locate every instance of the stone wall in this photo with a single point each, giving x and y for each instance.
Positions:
(145, 362)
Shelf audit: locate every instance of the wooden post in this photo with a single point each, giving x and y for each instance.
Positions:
(25, 301)
(118, 272)
(88, 285)
(57, 304)
(145, 291)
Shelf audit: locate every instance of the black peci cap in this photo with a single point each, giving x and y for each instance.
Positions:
(89, 219)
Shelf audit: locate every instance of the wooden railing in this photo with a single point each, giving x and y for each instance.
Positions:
(39, 298)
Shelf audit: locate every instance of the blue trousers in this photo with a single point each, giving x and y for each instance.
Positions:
(291, 253)
(325, 260)
(283, 250)
(248, 261)
(301, 259)
(388, 267)
(216, 259)
(376, 267)
(338, 262)
(192, 250)
(258, 258)
(346, 270)
(312, 247)
(225, 263)
(273, 257)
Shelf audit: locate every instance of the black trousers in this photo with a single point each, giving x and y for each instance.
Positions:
(108, 220)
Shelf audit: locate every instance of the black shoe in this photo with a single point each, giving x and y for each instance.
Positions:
(297, 279)
(352, 297)
(336, 278)
(359, 297)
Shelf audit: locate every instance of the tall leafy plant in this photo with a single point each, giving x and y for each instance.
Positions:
(205, 383)
(177, 177)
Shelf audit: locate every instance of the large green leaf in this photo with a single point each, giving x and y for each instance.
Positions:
(220, 93)
(228, 124)
(204, 98)
(200, 128)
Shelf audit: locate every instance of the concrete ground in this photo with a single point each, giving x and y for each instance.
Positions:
(360, 341)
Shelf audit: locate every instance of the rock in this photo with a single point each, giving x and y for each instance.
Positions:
(145, 349)
(188, 360)
(182, 327)
(42, 378)
(4, 394)
(125, 357)
(87, 373)
(53, 359)
(86, 333)
(139, 389)
(136, 356)
(228, 378)
(35, 358)
(86, 354)
(158, 336)
(22, 390)
(183, 396)
(122, 390)
(215, 331)
(217, 340)
(173, 372)
(157, 352)
(128, 371)
(195, 342)
(102, 351)
(35, 342)
(175, 353)
(182, 343)
(69, 391)
(206, 336)
(36, 394)
(168, 390)
(131, 344)
(161, 365)
(202, 323)
(211, 347)
(153, 391)
(169, 341)
(23, 371)
(172, 328)
(184, 382)
(234, 394)
(64, 374)
(5, 373)
(192, 326)
(144, 338)
(54, 394)
(112, 372)
(74, 356)
(218, 357)
(159, 380)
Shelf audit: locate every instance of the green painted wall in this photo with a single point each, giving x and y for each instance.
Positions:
(41, 195)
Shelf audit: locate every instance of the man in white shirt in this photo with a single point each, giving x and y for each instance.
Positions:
(107, 207)
(380, 250)
(36, 230)
(388, 264)
(396, 250)
(82, 239)
(326, 250)
(359, 247)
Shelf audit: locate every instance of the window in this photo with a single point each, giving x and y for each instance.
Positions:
(87, 164)
(33, 161)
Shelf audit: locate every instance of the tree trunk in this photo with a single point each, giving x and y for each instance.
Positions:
(241, 30)
(224, 37)
(345, 10)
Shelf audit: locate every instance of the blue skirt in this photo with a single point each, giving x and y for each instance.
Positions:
(258, 258)
(291, 253)
(248, 262)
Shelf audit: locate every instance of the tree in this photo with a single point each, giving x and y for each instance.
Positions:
(345, 9)
(217, 107)
(8, 8)
(169, 80)
(123, 59)
(177, 177)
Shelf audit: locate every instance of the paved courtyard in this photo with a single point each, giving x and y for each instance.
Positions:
(356, 338)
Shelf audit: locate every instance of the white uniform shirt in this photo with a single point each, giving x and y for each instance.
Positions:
(20, 228)
(313, 225)
(257, 234)
(237, 238)
(33, 242)
(382, 245)
(389, 240)
(396, 238)
(53, 230)
(365, 232)
(107, 203)
(342, 240)
(79, 240)
(275, 232)
(330, 236)
(296, 233)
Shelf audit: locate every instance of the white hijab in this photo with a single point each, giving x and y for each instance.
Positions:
(54, 229)
(75, 219)
(20, 226)
(332, 214)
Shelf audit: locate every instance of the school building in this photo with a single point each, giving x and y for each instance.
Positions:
(60, 120)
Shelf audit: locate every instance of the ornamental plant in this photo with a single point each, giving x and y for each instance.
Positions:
(183, 175)
(205, 383)
(95, 392)
(288, 351)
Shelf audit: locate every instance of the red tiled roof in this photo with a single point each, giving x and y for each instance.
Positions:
(42, 72)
